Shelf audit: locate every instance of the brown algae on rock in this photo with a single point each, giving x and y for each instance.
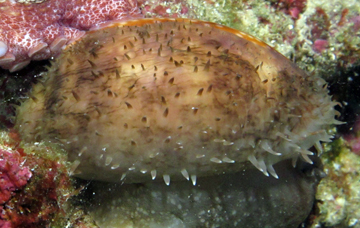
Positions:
(175, 98)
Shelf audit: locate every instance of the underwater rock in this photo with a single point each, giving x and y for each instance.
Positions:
(14, 175)
(35, 186)
(338, 195)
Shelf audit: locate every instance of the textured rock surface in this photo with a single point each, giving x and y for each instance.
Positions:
(14, 175)
(35, 186)
(338, 195)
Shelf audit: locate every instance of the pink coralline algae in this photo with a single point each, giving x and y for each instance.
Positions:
(291, 7)
(35, 186)
(37, 31)
(320, 45)
(14, 175)
(353, 138)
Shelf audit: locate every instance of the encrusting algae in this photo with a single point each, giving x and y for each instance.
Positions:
(176, 99)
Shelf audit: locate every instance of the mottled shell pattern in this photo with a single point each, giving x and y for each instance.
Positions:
(176, 99)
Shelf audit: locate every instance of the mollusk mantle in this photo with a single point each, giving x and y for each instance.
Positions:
(175, 98)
